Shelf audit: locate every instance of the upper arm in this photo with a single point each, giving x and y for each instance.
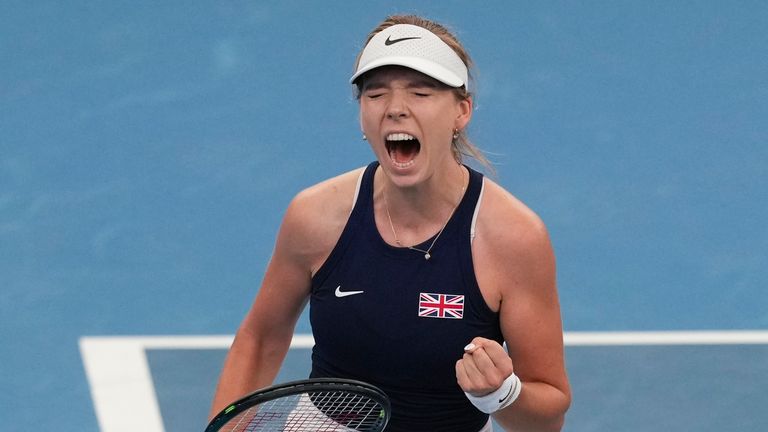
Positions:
(518, 272)
(530, 311)
(287, 280)
(310, 229)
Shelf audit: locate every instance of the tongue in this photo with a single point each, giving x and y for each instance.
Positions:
(404, 152)
(401, 156)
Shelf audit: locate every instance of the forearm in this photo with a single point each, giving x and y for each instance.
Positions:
(540, 407)
(251, 363)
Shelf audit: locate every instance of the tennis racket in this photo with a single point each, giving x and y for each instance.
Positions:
(313, 405)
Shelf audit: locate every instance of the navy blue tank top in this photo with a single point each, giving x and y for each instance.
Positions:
(387, 316)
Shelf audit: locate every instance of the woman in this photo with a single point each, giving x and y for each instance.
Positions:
(417, 268)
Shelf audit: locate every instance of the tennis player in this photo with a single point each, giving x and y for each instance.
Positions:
(418, 269)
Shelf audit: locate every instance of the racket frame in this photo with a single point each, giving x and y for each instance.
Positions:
(299, 387)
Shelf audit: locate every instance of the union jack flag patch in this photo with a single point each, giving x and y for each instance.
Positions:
(441, 306)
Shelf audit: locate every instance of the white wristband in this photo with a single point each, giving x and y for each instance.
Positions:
(500, 398)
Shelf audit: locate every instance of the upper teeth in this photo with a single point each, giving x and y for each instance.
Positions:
(399, 137)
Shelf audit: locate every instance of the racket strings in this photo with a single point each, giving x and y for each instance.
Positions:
(323, 411)
(348, 409)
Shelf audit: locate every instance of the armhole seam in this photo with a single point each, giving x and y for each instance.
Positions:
(477, 211)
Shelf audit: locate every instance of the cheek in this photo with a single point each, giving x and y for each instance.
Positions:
(367, 118)
(441, 126)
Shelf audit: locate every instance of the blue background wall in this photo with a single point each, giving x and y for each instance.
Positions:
(148, 150)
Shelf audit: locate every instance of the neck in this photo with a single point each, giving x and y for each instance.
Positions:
(418, 212)
(439, 193)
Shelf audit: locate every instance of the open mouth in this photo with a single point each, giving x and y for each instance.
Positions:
(402, 148)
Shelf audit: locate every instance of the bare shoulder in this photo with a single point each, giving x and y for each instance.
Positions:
(326, 201)
(507, 223)
(512, 251)
(317, 215)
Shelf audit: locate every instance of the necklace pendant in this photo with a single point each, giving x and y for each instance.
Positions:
(427, 256)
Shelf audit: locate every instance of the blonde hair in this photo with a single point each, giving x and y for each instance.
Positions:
(461, 145)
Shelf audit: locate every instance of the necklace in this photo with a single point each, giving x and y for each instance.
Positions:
(427, 253)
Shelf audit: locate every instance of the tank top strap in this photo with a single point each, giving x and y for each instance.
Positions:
(462, 219)
(362, 201)
(472, 196)
(365, 190)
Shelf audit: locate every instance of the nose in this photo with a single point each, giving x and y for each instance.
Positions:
(397, 108)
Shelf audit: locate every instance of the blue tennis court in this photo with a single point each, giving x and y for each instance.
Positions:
(148, 151)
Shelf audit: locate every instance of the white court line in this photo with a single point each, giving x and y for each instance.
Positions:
(741, 337)
(120, 381)
(124, 395)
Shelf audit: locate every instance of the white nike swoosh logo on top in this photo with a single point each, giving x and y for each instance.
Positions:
(339, 293)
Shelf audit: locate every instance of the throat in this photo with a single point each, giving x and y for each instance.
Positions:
(403, 153)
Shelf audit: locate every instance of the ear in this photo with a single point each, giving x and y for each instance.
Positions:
(465, 108)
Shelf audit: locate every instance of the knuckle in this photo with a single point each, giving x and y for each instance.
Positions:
(495, 381)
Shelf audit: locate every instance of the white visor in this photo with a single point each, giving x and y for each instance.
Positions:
(416, 48)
